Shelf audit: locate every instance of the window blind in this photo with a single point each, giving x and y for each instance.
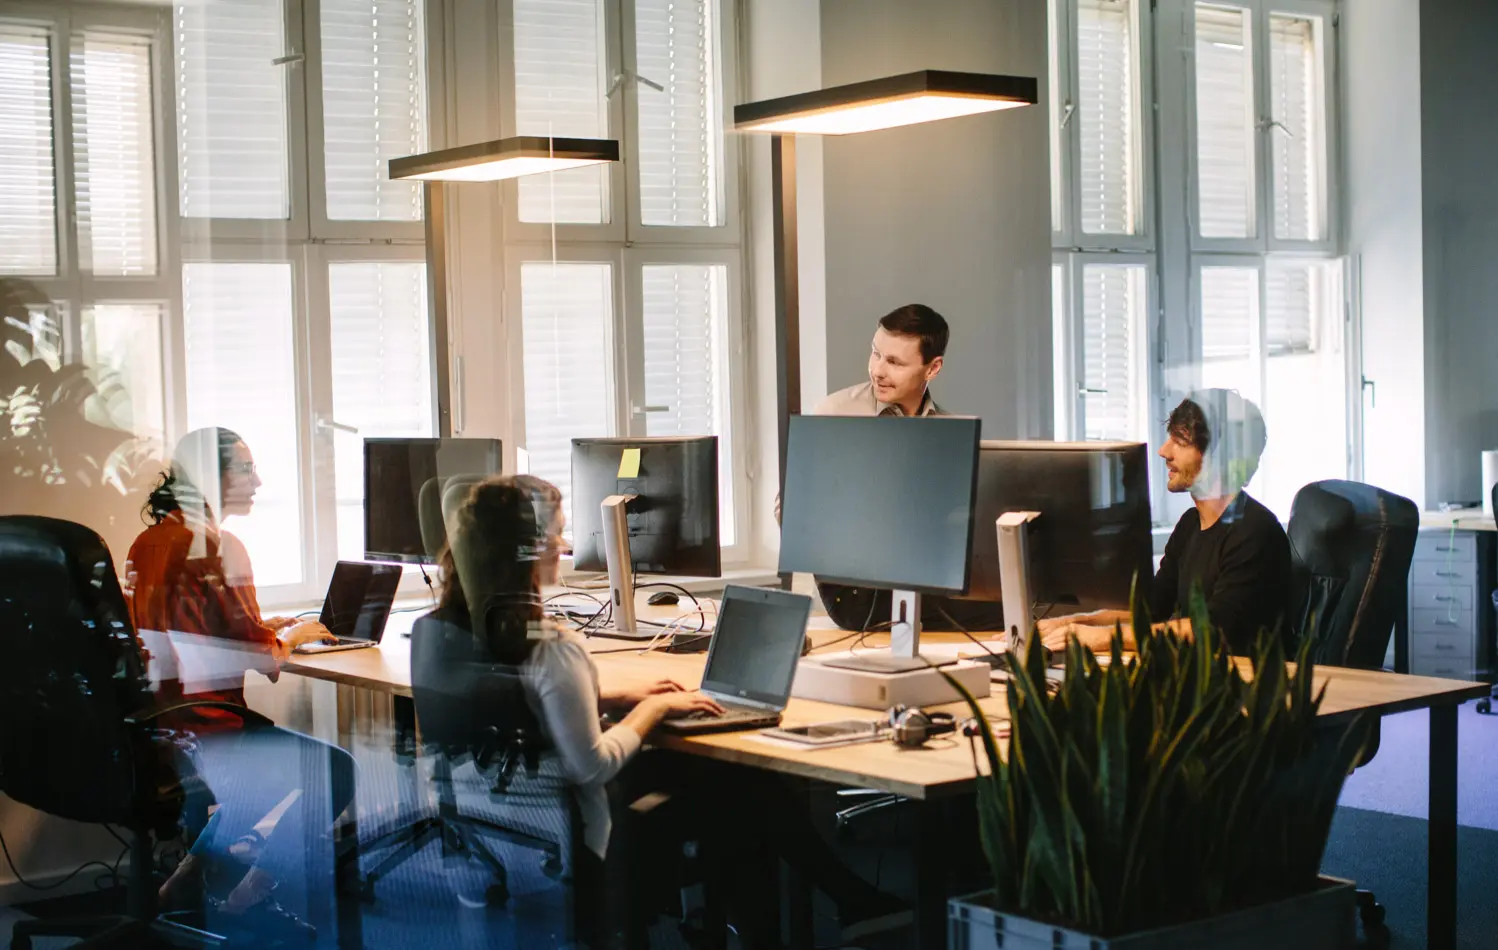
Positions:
(1225, 123)
(122, 350)
(566, 312)
(231, 110)
(1113, 312)
(1230, 328)
(686, 376)
(1297, 138)
(561, 77)
(1107, 116)
(680, 129)
(381, 373)
(374, 106)
(1290, 308)
(241, 374)
(28, 227)
(114, 153)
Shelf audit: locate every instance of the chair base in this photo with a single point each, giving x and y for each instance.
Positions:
(461, 835)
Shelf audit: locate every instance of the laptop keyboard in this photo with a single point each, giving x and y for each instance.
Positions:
(730, 719)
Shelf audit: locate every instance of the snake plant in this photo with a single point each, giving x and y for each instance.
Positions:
(1162, 787)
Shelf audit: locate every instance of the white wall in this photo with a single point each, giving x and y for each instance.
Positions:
(781, 54)
(1381, 87)
(953, 214)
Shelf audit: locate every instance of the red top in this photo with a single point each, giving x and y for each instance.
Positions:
(193, 589)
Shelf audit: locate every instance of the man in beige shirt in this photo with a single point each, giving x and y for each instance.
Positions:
(909, 346)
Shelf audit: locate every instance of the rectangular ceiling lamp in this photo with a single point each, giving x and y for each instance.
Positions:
(885, 103)
(506, 158)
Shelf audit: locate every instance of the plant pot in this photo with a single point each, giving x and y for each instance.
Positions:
(1323, 919)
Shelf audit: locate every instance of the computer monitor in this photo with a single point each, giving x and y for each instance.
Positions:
(884, 503)
(644, 505)
(1091, 537)
(405, 483)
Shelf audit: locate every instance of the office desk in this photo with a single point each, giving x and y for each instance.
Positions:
(929, 776)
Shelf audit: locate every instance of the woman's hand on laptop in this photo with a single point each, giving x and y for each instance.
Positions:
(309, 631)
(675, 704)
(631, 696)
(280, 623)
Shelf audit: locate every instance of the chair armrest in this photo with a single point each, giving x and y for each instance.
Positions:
(144, 716)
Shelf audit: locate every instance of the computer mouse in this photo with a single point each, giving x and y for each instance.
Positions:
(663, 598)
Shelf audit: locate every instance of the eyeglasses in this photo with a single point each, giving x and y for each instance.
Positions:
(240, 468)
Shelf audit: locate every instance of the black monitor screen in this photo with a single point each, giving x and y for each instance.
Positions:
(1093, 533)
(673, 516)
(405, 482)
(879, 501)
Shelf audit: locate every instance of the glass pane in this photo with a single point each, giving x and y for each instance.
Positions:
(114, 153)
(1230, 329)
(241, 375)
(686, 364)
(1057, 106)
(28, 226)
(1297, 138)
(1108, 112)
(1225, 123)
(231, 110)
(382, 373)
(1305, 381)
(560, 84)
(1064, 390)
(122, 350)
(680, 126)
(1114, 386)
(566, 312)
(374, 106)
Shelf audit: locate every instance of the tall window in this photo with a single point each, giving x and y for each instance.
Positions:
(626, 277)
(1244, 288)
(226, 248)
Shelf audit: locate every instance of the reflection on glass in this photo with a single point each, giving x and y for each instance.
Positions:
(561, 81)
(122, 350)
(237, 322)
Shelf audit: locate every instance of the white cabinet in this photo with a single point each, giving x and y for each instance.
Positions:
(1449, 606)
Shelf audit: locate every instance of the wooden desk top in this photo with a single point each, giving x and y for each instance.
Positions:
(1466, 519)
(945, 767)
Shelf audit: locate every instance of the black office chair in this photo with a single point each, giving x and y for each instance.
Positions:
(1350, 549)
(467, 709)
(76, 712)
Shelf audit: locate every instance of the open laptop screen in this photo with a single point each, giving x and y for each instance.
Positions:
(359, 599)
(756, 644)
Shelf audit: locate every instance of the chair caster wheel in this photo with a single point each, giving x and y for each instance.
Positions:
(497, 895)
(551, 866)
(1485, 706)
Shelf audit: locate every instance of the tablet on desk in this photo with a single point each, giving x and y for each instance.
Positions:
(839, 732)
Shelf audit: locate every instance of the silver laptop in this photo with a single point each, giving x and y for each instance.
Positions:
(752, 661)
(357, 606)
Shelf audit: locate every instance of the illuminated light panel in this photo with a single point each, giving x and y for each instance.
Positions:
(506, 158)
(886, 103)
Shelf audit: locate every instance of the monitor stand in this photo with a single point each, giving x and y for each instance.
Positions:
(621, 566)
(904, 654)
(1014, 577)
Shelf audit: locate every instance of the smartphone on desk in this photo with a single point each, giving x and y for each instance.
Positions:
(838, 732)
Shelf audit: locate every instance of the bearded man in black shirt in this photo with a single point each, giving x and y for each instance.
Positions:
(1228, 542)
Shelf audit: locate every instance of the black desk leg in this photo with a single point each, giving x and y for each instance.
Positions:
(930, 877)
(1441, 897)
(798, 908)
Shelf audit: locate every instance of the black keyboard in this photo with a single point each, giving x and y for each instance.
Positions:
(729, 721)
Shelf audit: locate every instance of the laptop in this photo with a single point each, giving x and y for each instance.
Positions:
(756, 645)
(357, 605)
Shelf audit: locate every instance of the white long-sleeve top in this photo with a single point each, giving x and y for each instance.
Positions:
(561, 685)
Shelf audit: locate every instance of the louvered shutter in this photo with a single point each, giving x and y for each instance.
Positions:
(1230, 328)
(1107, 117)
(679, 129)
(374, 108)
(231, 110)
(241, 374)
(560, 84)
(1297, 139)
(114, 153)
(381, 372)
(28, 227)
(686, 367)
(1289, 318)
(1113, 312)
(566, 312)
(1225, 123)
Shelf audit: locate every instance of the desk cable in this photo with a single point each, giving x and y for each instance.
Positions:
(112, 872)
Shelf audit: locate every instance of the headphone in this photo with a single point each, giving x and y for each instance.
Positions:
(911, 728)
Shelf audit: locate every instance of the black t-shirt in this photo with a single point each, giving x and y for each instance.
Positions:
(1243, 564)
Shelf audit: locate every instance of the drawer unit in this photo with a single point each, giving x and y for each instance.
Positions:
(1439, 545)
(1448, 606)
(1444, 573)
(1440, 668)
(1437, 597)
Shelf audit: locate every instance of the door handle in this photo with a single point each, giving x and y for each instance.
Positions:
(642, 409)
(324, 423)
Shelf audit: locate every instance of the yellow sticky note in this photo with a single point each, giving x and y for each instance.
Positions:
(629, 464)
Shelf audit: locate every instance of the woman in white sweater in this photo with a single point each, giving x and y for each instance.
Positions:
(505, 539)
